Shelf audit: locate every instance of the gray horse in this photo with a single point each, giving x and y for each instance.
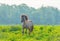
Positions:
(26, 24)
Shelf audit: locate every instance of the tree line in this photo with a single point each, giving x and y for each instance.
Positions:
(43, 15)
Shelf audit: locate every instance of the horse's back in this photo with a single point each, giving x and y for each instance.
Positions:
(29, 23)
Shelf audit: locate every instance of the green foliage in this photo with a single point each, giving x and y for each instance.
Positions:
(3, 30)
(40, 33)
(14, 28)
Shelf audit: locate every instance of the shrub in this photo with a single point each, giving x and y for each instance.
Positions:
(13, 28)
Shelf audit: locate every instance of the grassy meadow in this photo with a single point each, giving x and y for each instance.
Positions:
(40, 33)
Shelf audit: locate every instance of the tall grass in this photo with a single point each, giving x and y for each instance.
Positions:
(40, 33)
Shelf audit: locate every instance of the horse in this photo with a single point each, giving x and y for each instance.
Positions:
(26, 24)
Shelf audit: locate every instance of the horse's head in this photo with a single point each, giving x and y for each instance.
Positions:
(24, 18)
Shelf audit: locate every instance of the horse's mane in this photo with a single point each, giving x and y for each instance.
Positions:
(25, 16)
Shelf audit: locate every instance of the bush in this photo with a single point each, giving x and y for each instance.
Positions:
(4, 30)
(13, 28)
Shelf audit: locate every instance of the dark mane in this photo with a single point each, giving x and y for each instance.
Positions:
(25, 17)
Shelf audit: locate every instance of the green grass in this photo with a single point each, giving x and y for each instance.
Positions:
(40, 33)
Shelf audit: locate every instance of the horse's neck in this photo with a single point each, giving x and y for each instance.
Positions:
(27, 21)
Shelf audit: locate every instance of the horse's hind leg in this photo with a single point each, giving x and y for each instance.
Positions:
(29, 32)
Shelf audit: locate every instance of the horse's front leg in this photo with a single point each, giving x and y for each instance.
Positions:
(26, 31)
(23, 30)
